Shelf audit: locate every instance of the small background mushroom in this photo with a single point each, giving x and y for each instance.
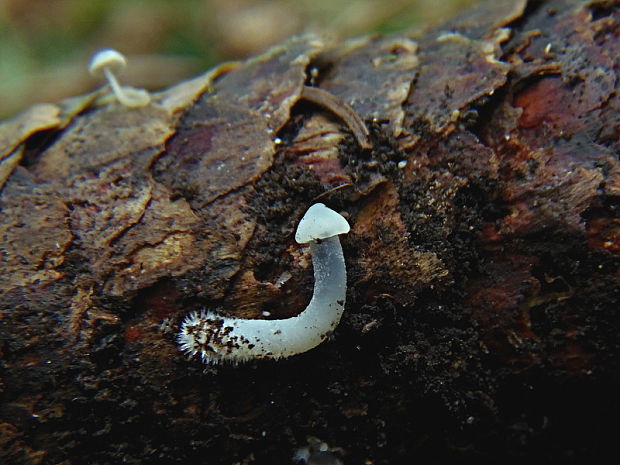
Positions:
(109, 63)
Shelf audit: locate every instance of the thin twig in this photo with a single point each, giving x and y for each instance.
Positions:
(341, 110)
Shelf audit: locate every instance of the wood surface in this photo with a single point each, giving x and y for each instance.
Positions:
(482, 314)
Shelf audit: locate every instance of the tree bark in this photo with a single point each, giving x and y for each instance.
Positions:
(482, 313)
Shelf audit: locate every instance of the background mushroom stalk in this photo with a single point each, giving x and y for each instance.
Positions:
(128, 96)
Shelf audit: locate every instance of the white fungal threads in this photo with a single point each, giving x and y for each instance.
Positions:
(106, 62)
(219, 338)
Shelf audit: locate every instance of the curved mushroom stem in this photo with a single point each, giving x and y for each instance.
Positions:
(217, 338)
(128, 96)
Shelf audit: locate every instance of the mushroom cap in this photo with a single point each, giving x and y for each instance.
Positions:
(106, 58)
(320, 222)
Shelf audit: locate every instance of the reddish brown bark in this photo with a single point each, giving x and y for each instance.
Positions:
(482, 318)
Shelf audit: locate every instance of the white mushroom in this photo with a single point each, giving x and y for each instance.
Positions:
(218, 338)
(106, 62)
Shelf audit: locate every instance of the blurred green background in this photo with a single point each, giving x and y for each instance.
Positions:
(45, 45)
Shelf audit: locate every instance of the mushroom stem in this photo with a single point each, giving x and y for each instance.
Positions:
(218, 338)
(128, 96)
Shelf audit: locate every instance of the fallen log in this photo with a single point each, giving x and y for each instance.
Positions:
(482, 313)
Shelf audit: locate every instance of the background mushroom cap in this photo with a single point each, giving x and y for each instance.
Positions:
(320, 222)
(106, 58)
